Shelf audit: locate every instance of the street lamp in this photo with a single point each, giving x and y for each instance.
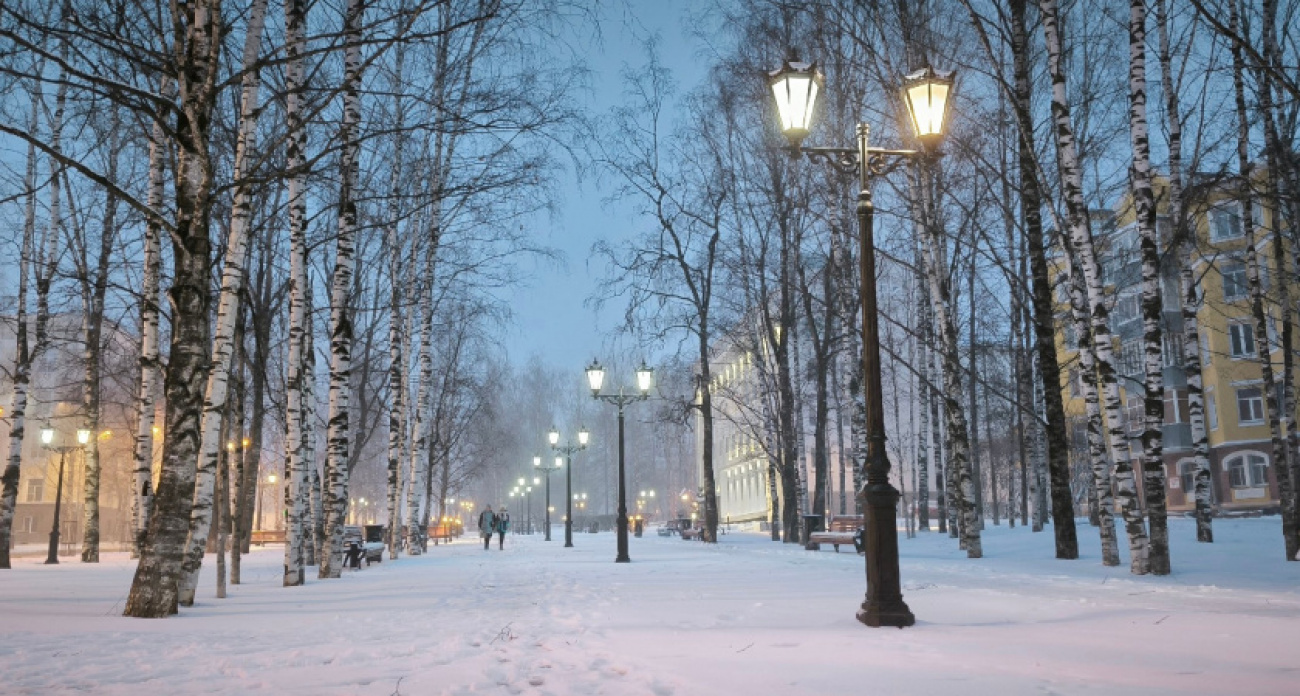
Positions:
(47, 441)
(644, 379)
(538, 466)
(568, 449)
(926, 93)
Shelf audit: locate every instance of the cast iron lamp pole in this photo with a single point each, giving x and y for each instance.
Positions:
(595, 379)
(796, 86)
(47, 440)
(537, 465)
(568, 449)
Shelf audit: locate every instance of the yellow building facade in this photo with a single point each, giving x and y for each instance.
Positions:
(1244, 477)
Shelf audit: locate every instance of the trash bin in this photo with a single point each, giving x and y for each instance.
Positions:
(638, 526)
(811, 523)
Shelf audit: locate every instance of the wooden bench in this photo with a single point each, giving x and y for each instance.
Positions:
(441, 532)
(262, 537)
(840, 529)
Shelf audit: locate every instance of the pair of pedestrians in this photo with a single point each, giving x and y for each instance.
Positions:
(490, 522)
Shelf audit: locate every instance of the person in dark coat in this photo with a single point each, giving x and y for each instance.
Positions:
(487, 522)
(503, 526)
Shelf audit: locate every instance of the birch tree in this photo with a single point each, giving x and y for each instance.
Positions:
(1082, 246)
(1144, 204)
(232, 282)
(336, 471)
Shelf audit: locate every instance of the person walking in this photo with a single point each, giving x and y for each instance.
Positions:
(487, 522)
(503, 526)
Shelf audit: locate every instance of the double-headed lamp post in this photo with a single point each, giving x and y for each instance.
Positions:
(926, 93)
(47, 440)
(546, 469)
(567, 450)
(644, 380)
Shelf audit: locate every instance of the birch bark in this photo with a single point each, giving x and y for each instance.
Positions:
(142, 490)
(197, 46)
(297, 534)
(1080, 238)
(336, 463)
(1144, 204)
(1185, 239)
(22, 353)
(232, 281)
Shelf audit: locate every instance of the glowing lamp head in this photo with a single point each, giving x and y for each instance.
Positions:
(595, 377)
(554, 436)
(83, 436)
(47, 434)
(559, 462)
(583, 436)
(644, 378)
(537, 460)
(795, 87)
(927, 93)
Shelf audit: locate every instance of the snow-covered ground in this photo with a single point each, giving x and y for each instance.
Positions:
(746, 616)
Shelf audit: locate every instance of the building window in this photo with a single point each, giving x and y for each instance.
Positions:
(1247, 470)
(29, 524)
(1205, 348)
(1211, 409)
(1187, 478)
(1171, 348)
(35, 490)
(1225, 221)
(1075, 382)
(1235, 285)
(1250, 406)
(1241, 337)
(1130, 358)
(1136, 414)
(1126, 309)
(1071, 334)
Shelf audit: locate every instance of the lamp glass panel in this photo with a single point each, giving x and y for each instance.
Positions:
(559, 462)
(83, 436)
(583, 437)
(644, 378)
(47, 436)
(796, 94)
(595, 377)
(553, 436)
(928, 102)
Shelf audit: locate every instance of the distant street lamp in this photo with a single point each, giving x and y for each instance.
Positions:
(644, 380)
(568, 449)
(926, 93)
(547, 469)
(47, 440)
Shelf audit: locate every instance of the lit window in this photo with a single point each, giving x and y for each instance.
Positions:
(1250, 406)
(35, 490)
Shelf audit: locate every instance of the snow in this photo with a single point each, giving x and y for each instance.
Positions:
(747, 616)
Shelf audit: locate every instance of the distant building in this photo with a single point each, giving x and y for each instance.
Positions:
(1243, 475)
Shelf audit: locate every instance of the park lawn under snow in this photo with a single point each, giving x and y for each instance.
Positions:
(747, 616)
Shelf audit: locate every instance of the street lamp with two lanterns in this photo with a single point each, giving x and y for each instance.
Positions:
(644, 381)
(926, 93)
(567, 449)
(47, 441)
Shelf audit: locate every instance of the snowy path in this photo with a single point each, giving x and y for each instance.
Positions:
(745, 617)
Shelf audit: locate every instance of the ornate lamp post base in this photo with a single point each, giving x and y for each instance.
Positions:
(884, 605)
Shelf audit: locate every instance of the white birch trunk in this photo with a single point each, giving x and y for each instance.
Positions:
(22, 353)
(142, 472)
(1080, 238)
(959, 450)
(1191, 305)
(296, 540)
(336, 463)
(232, 280)
(95, 289)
